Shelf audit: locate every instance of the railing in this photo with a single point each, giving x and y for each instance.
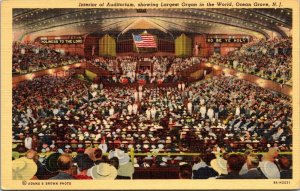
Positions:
(97, 70)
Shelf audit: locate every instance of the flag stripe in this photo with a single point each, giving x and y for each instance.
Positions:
(144, 41)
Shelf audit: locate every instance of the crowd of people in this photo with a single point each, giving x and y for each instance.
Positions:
(219, 115)
(31, 57)
(157, 70)
(269, 59)
(91, 164)
(180, 64)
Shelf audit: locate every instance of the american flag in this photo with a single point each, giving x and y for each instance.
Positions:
(144, 41)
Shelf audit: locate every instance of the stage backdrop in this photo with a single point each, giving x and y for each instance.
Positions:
(107, 46)
(183, 46)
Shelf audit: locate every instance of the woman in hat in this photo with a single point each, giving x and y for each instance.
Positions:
(84, 163)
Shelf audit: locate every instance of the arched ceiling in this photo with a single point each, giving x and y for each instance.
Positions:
(255, 22)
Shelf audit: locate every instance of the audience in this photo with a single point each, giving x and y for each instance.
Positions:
(270, 59)
(28, 57)
(82, 122)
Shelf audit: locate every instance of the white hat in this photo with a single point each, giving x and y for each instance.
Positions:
(219, 165)
(98, 136)
(104, 171)
(81, 137)
(67, 146)
(126, 170)
(146, 146)
(60, 151)
(161, 146)
(269, 169)
(23, 169)
(44, 126)
(121, 155)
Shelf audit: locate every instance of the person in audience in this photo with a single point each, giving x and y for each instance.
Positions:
(83, 163)
(41, 172)
(252, 162)
(285, 168)
(235, 163)
(268, 164)
(185, 171)
(205, 170)
(65, 170)
(126, 168)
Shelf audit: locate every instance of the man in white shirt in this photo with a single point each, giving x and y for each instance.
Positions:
(210, 113)
(135, 108)
(203, 111)
(111, 111)
(190, 107)
(28, 142)
(129, 108)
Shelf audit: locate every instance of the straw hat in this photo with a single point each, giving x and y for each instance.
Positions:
(269, 169)
(219, 165)
(104, 171)
(126, 170)
(121, 155)
(23, 169)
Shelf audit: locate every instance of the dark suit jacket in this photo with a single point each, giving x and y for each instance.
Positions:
(229, 176)
(253, 174)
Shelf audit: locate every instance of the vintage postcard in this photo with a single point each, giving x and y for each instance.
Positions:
(149, 95)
